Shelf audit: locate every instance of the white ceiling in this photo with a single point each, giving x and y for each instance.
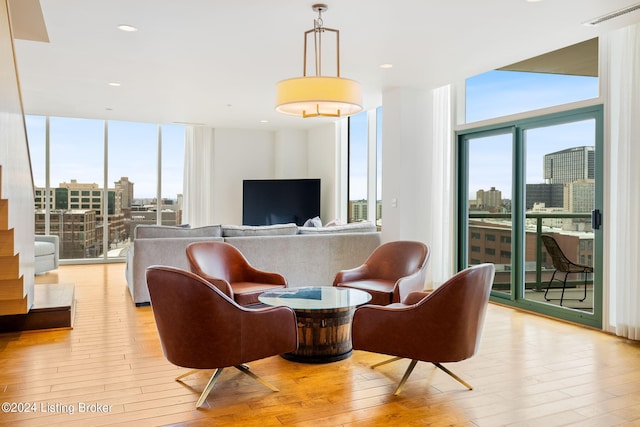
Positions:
(217, 62)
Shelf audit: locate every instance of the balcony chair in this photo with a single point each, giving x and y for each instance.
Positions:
(201, 328)
(390, 273)
(440, 326)
(562, 264)
(224, 266)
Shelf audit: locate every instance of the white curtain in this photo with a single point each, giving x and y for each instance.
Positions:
(442, 191)
(623, 210)
(197, 205)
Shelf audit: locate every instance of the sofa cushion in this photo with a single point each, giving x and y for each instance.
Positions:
(144, 231)
(353, 227)
(261, 230)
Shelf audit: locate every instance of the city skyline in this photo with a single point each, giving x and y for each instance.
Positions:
(77, 152)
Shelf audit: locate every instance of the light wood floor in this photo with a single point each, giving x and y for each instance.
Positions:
(529, 371)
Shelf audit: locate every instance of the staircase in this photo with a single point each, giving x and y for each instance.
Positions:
(12, 296)
(53, 304)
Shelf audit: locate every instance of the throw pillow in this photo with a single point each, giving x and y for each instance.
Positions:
(313, 222)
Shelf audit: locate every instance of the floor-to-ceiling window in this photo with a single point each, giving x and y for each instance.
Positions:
(172, 169)
(96, 180)
(365, 167)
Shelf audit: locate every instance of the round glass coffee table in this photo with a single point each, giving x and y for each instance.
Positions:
(324, 316)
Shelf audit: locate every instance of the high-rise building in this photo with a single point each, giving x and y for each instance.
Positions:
(358, 210)
(489, 199)
(76, 230)
(572, 164)
(79, 196)
(580, 196)
(41, 198)
(77, 217)
(551, 195)
(126, 188)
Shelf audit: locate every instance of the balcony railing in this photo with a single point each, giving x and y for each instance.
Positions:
(490, 235)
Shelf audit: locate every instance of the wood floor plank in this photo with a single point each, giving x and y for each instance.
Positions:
(530, 370)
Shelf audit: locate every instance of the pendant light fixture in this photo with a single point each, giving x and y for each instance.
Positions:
(319, 95)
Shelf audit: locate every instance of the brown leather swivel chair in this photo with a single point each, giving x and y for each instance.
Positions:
(201, 328)
(392, 271)
(437, 327)
(224, 266)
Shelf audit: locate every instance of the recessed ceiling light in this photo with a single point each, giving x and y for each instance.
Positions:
(127, 28)
(114, 84)
(386, 65)
(264, 121)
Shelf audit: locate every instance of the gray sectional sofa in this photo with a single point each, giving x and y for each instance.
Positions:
(46, 253)
(305, 256)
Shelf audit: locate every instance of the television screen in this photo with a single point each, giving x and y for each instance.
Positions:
(280, 201)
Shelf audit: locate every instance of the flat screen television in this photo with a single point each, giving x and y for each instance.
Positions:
(280, 201)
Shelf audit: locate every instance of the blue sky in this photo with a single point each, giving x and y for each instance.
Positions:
(500, 93)
(358, 157)
(77, 152)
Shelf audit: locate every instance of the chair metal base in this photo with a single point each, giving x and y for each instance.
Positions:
(244, 368)
(564, 286)
(410, 368)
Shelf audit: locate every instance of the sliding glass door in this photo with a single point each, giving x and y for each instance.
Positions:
(519, 181)
(488, 222)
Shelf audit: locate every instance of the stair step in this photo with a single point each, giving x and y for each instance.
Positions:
(4, 214)
(11, 289)
(9, 267)
(53, 307)
(6, 243)
(14, 306)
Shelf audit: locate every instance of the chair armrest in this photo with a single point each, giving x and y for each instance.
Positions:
(408, 284)
(260, 276)
(415, 297)
(221, 284)
(268, 331)
(351, 275)
(51, 238)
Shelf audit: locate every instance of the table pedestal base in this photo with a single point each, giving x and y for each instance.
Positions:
(323, 335)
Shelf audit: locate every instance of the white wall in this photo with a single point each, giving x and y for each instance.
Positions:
(325, 143)
(239, 154)
(290, 154)
(406, 133)
(16, 183)
(418, 184)
(254, 154)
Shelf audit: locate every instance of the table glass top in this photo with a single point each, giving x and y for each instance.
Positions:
(315, 297)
